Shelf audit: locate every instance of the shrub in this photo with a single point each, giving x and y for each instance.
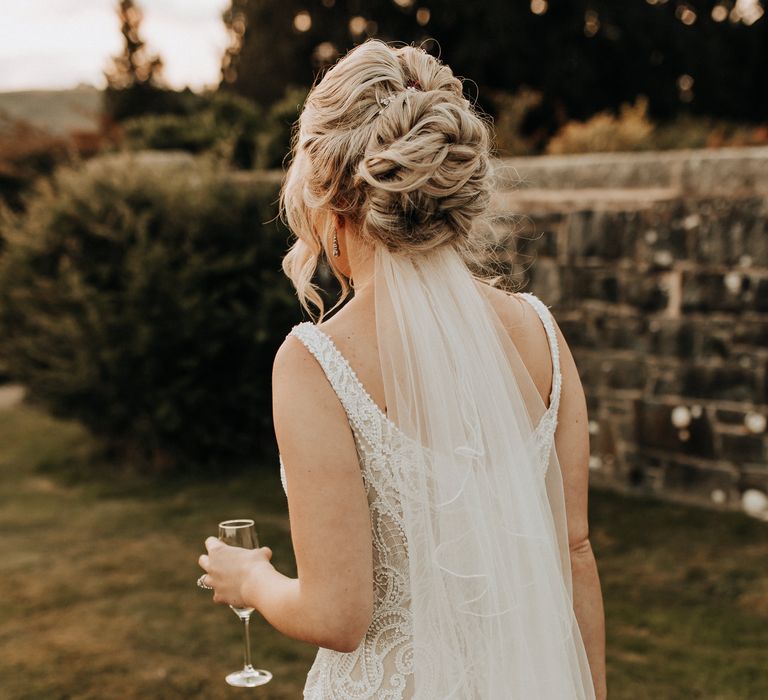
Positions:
(689, 131)
(138, 99)
(226, 123)
(232, 127)
(143, 296)
(26, 152)
(275, 140)
(512, 110)
(194, 133)
(606, 132)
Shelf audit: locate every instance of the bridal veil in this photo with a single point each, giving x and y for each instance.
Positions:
(485, 519)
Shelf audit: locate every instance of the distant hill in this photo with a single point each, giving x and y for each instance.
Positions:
(58, 111)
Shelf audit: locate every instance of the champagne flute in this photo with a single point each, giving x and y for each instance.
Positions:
(242, 533)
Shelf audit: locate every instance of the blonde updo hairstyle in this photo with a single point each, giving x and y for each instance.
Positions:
(408, 168)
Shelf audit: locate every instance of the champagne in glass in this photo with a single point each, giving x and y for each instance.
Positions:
(242, 533)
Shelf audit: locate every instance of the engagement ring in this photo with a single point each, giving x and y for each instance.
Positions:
(203, 585)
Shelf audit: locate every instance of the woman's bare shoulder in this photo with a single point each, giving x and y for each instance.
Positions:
(509, 306)
(526, 331)
(517, 315)
(293, 361)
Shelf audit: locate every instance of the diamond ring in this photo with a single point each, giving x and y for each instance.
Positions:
(201, 584)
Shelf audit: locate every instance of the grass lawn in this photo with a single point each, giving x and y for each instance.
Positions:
(99, 598)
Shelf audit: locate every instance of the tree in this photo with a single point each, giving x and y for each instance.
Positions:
(134, 66)
(134, 80)
(235, 20)
(584, 56)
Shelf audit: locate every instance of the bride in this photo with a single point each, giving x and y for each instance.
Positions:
(433, 431)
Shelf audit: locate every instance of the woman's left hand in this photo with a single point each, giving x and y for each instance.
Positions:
(228, 567)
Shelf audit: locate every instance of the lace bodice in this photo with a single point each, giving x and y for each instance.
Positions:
(381, 666)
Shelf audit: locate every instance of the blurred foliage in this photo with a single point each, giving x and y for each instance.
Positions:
(605, 131)
(584, 57)
(134, 78)
(705, 132)
(227, 123)
(275, 139)
(26, 152)
(235, 22)
(134, 65)
(144, 297)
(136, 100)
(632, 130)
(512, 109)
(236, 129)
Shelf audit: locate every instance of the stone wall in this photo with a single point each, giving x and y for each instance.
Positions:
(656, 268)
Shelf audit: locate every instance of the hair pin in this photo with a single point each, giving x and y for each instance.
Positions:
(413, 85)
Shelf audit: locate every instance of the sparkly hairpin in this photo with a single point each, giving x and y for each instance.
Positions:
(413, 85)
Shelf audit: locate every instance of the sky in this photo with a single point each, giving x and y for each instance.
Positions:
(48, 44)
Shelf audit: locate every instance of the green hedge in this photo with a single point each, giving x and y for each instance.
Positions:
(232, 127)
(142, 295)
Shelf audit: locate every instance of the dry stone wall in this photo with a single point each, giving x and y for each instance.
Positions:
(656, 268)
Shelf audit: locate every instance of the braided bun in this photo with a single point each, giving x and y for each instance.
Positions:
(409, 167)
(425, 172)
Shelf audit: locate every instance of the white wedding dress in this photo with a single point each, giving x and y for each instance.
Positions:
(382, 666)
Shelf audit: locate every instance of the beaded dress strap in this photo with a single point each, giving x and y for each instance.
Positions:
(546, 318)
(362, 411)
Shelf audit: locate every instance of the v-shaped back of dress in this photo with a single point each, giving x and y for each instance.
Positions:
(381, 667)
(366, 417)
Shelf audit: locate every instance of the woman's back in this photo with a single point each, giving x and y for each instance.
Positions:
(353, 330)
(346, 352)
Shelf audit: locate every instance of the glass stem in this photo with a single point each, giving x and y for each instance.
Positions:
(247, 639)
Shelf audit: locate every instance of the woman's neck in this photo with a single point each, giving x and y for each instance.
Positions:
(361, 266)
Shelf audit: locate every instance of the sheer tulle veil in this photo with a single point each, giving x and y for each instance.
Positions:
(484, 514)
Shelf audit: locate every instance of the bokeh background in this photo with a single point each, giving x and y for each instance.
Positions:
(142, 145)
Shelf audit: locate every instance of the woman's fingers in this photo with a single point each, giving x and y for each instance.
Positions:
(229, 563)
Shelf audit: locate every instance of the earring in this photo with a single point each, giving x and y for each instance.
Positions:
(335, 245)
